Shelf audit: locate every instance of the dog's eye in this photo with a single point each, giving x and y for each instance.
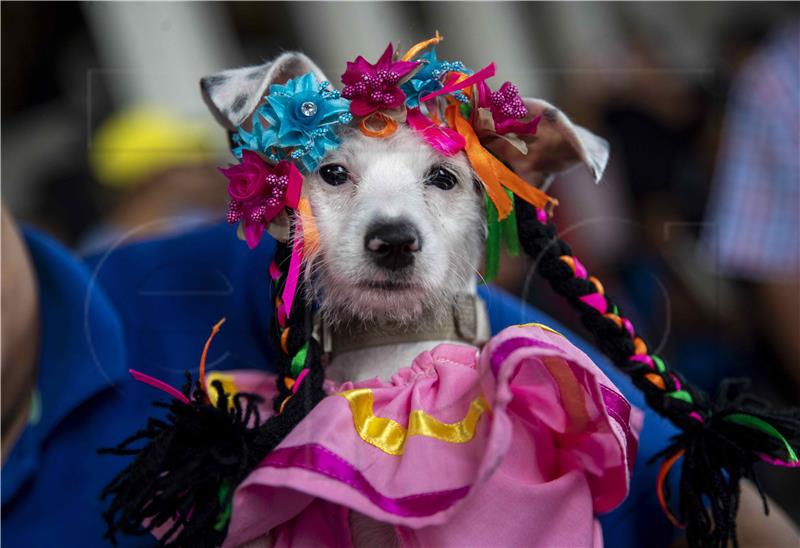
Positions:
(334, 174)
(441, 178)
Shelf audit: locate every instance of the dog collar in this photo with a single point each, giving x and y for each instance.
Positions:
(467, 322)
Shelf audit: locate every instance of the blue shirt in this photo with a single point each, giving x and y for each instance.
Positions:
(150, 306)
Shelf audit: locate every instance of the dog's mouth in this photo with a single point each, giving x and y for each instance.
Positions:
(385, 285)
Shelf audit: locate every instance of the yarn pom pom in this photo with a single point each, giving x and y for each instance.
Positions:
(718, 452)
(181, 481)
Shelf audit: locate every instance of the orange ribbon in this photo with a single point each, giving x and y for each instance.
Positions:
(662, 476)
(417, 48)
(493, 173)
(201, 375)
(310, 231)
(389, 125)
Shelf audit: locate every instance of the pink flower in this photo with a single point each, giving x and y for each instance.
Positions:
(507, 109)
(375, 87)
(259, 192)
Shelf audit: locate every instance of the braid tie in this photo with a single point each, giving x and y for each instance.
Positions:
(191, 462)
(720, 441)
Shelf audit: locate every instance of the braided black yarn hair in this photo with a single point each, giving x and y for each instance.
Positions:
(721, 439)
(183, 477)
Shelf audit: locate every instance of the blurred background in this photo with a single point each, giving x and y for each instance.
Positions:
(695, 229)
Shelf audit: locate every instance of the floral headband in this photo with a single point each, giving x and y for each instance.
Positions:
(448, 105)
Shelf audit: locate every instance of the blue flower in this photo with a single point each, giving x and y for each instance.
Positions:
(429, 78)
(302, 117)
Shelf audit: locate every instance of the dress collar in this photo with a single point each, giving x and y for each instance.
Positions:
(466, 322)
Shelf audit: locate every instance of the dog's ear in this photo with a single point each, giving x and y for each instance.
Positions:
(557, 146)
(232, 95)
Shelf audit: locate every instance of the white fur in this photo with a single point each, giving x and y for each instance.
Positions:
(388, 182)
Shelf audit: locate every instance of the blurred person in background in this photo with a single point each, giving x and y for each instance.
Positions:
(158, 168)
(753, 228)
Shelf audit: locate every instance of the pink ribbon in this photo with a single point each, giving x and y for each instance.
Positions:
(596, 301)
(300, 377)
(778, 462)
(326, 463)
(643, 358)
(443, 139)
(292, 277)
(480, 76)
(295, 186)
(520, 128)
(274, 272)
(161, 385)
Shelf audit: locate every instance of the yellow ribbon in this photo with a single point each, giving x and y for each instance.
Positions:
(228, 387)
(390, 437)
(540, 326)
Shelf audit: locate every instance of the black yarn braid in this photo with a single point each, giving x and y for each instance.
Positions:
(193, 459)
(720, 439)
(290, 340)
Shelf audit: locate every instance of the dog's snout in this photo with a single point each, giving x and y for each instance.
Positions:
(392, 245)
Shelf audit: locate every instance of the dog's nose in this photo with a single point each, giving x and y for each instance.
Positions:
(392, 245)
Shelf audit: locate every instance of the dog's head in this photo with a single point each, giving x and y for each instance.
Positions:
(401, 227)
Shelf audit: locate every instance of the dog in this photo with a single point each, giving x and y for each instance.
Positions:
(401, 231)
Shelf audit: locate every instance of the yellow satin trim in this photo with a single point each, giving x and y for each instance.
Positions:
(541, 326)
(390, 436)
(227, 385)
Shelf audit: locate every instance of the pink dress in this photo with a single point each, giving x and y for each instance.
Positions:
(518, 445)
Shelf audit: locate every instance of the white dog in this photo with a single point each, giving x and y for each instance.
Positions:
(401, 234)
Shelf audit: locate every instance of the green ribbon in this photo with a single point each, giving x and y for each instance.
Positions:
(508, 226)
(681, 395)
(759, 424)
(492, 242)
(299, 361)
(224, 499)
(499, 232)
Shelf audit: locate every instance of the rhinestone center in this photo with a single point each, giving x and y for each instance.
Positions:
(308, 109)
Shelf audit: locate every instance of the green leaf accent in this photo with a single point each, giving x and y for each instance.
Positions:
(466, 110)
(763, 426)
(299, 361)
(492, 260)
(681, 395)
(659, 363)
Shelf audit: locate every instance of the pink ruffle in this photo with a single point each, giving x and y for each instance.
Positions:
(555, 448)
